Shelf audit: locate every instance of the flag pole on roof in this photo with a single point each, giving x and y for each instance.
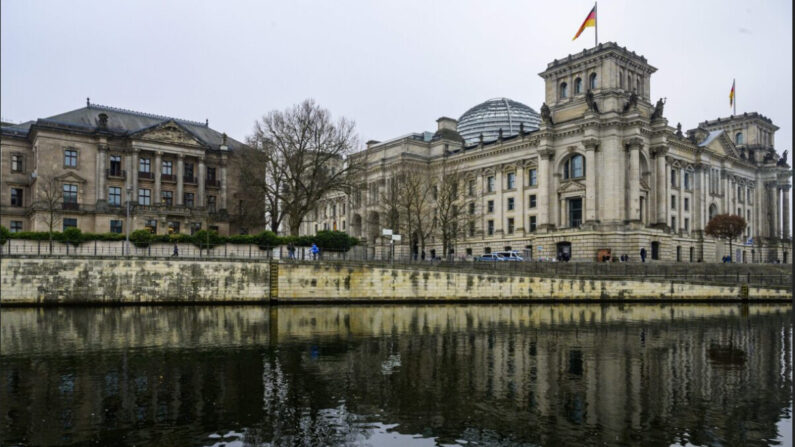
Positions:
(590, 20)
(733, 99)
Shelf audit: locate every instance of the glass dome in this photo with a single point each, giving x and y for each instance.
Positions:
(495, 114)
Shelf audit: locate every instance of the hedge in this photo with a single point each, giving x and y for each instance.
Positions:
(325, 240)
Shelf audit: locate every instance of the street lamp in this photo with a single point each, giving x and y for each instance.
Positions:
(127, 222)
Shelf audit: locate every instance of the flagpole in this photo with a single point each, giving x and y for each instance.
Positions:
(596, 26)
(734, 100)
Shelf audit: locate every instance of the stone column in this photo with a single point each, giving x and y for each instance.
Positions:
(698, 199)
(543, 201)
(180, 184)
(634, 145)
(662, 183)
(591, 214)
(224, 181)
(499, 215)
(521, 207)
(613, 181)
(777, 195)
(481, 204)
(101, 151)
(158, 170)
(785, 213)
(201, 191)
(680, 204)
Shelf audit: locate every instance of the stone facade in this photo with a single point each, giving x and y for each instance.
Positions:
(97, 159)
(604, 171)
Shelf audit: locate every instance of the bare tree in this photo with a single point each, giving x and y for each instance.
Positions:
(306, 155)
(415, 204)
(258, 193)
(49, 199)
(452, 219)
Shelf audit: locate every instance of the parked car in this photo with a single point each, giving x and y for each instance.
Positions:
(512, 255)
(490, 257)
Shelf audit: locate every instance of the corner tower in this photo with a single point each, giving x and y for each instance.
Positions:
(611, 73)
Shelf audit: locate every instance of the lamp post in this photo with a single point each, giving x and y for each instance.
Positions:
(127, 223)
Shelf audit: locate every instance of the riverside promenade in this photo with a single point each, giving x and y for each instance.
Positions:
(128, 280)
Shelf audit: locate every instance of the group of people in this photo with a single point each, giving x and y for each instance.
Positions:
(314, 250)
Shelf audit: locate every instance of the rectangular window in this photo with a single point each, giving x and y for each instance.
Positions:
(114, 196)
(687, 181)
(115, 226)
(739, 211)
(210, 175)
(532, 223)
(167, 198)
(144, 197)
(70, 158)
(168, 168)
(16, 163)
(533, 177)
(151, 225)
(188, 199)
(510, 203)
(687, 224)
(69, 222)
(687, 204)
(673, 222)
(471, 229)
(115, 166)
(471, 209)
(510, 225)
(211, 203)
(173, 227)
(749, 196)
(16, 197)
(490, 227)
(490, 184)
(532, 201)
(511, 183)
(16, 226)
(469, 252)
(188, 172)
(576, 166)
(575, 212)
(673, 202)
(145, 165)
(490, 206)
(471, 188)
(673, 178)
(69, 193)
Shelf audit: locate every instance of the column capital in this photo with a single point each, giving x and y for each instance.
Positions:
(633, 143)
(159, 153)
(591, 144)
(181, 156)
(546, 153)
(659, 150)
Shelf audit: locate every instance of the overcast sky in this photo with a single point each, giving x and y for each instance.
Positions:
(393, 67)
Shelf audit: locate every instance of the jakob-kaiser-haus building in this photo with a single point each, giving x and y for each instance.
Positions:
(599, 168)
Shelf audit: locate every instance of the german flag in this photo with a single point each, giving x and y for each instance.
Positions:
(589, 21)
(731, 95)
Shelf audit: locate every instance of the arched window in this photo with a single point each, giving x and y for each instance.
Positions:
(592, 81)
(738, 138)
(564, 90)
(713, 210)
(574, 167)
(577, 86)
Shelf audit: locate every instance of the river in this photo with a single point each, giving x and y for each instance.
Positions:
(395, 375)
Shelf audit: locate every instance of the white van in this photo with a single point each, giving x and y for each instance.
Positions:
(512, 255)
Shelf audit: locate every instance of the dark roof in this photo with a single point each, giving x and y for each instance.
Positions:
(122, 122)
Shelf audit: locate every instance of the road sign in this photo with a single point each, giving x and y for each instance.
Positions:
(386, 232)
(396, 237)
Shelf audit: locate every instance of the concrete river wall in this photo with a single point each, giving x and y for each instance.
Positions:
(97, 280)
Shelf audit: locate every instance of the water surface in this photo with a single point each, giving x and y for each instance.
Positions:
(551, 375)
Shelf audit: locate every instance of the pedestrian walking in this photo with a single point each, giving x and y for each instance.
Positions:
(642, 255)
(314, 251)
(176, 251)
(291, 251)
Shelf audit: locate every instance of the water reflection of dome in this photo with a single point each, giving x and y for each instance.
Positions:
(495, 114)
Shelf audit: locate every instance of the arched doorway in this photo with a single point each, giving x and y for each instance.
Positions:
(356, 228)
(655, 250)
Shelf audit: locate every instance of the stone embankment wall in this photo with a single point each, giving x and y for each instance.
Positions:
(97, 280)
(321, 282)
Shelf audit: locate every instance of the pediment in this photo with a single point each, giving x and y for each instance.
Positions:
(70, 177)
(571, 186)
(722, 145)
(170, 132)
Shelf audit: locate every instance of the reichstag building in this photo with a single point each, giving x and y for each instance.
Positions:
(599, 170)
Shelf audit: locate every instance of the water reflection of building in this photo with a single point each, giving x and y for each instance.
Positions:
(545, 374)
